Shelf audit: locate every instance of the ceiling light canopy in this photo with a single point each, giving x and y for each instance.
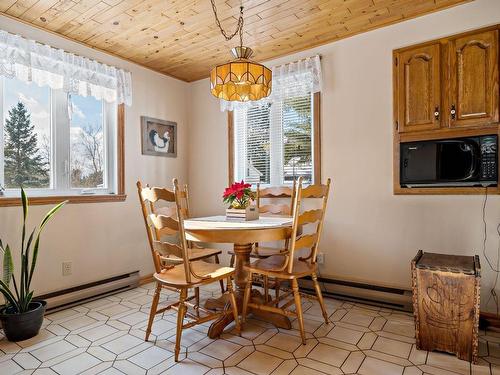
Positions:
(241, 79)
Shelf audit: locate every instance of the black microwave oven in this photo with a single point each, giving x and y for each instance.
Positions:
(471, 161)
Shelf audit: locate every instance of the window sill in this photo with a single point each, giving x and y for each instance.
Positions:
(70, 198)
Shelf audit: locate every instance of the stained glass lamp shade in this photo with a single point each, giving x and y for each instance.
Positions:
(241, 79)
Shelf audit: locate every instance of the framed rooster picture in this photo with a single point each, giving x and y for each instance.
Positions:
(159, 137)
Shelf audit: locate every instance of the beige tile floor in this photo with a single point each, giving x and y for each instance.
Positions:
(106, 336)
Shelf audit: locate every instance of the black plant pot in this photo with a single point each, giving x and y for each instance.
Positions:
(18, 327)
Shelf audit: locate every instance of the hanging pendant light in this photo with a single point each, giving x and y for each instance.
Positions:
(241, 79)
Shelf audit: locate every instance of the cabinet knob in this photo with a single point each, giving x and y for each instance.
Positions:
(453, 112)
(436, 113)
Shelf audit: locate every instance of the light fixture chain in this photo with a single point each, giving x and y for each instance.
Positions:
(239, 27)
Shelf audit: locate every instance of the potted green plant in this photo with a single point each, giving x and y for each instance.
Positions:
(22, 316)
(239, 197)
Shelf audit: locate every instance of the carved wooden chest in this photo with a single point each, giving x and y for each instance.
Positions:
(446, 303)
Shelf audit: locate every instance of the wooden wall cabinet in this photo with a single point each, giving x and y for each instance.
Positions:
(419, 88)
(446, 88)
(473, 78)
(449, 83)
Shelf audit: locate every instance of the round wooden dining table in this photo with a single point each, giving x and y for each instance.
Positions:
(242, 234)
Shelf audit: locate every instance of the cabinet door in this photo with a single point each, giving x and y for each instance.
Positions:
(473, 62)
(419, 88)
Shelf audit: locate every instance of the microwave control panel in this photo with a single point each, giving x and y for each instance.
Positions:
(489, 146)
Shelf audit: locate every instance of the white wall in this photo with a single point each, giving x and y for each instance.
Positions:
(370, 234)
(106, 239)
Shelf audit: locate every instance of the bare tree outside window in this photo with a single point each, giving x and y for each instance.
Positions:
(87, 144)
(87, 158)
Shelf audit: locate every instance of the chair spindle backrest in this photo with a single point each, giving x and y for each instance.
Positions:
(166, 222)
(184, 195)
(274, 200)
(316, 216)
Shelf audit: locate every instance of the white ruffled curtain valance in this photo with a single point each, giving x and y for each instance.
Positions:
(293, 79)
(44, 65)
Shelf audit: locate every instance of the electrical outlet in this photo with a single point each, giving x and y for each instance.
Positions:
(320, 259)
(67, 268)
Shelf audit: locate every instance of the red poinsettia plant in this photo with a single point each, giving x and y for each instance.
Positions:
(238, 195)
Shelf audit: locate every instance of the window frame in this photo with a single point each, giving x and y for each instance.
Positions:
(316, 141)
(89, 198)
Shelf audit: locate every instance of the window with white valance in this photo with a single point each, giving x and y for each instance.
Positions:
(276, 140)
(61, 133)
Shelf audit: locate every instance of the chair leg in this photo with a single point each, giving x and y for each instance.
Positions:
(197, 300)
(234, 306)
(298, 309)
(221, 282)
(222, 287)
(277, 286)
(266, 289)
(246, 298)
(181, 312)
(154, 308)
(320, 297)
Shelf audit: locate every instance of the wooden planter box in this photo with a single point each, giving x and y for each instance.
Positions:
(446, 303)
(249, 213)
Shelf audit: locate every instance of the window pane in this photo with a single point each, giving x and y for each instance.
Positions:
(27, 141)
(87, 143)
(297, 139)
(258, 168)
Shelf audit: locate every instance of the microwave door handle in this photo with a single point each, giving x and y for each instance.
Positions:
(471, 172)
(473, 167)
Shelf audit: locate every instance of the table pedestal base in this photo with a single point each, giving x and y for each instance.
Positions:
(242, 252)
(218, 326)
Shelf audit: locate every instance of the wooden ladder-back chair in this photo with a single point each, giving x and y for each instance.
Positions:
(285, 266)
(184, 274)
(196, 252)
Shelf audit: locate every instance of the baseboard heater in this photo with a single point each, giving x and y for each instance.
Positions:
(383, 296)
(90, 291)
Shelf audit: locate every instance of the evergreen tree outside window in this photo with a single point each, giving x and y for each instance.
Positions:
(23, 162)
(26, 131)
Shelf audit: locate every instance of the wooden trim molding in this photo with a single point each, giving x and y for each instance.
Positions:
(36, 201)
(120, 196)
(120, 150)
(317, 137)
(146, 279)
(316, 116)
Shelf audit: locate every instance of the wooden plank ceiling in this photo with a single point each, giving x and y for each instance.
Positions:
(180, 38)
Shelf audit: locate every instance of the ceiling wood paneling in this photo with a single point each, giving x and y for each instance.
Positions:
(180, 38)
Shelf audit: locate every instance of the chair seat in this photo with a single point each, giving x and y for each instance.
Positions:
(198, 253)
(262, 252)
(176, 276)
(272, 266)
(265, 251)
(195, 253)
